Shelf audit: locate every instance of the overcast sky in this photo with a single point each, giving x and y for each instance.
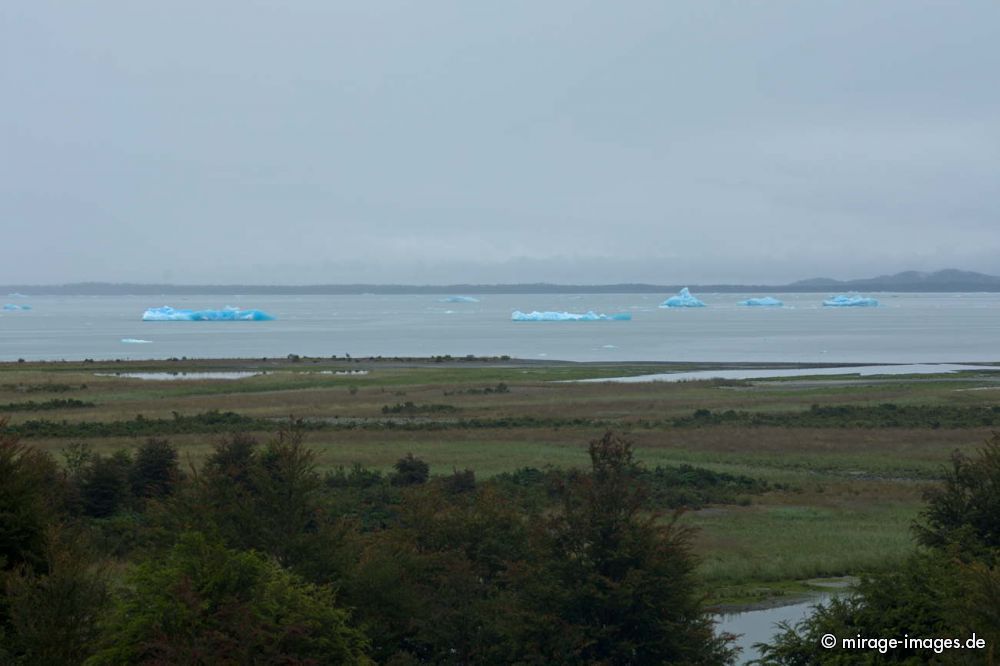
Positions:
(511, 141)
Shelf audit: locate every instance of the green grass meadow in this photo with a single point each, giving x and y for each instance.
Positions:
(842, 497)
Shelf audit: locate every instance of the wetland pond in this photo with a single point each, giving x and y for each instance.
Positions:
(241, 374)
(760, 625)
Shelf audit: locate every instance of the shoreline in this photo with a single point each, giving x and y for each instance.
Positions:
(468, 362)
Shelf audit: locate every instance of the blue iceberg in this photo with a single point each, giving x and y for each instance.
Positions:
(850, 301)
(517, 315)
(765, 302)
(683, 299)
(459, 299)
(11, 307)
(167, 313)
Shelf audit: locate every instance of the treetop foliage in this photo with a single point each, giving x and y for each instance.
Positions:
(258, 557)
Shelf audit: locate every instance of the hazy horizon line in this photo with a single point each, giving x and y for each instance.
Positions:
(946, 280)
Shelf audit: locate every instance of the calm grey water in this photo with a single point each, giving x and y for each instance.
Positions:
(760, 626)
(908, 328)
(766, 373)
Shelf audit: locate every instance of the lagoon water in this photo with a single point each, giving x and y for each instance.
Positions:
(907, 328)
(761, 626)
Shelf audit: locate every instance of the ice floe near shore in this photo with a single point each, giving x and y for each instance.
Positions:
(850, 301)
(683, 299)
(11, 307)
(167, 313)
(459, 299)
(765, 302)
(517, 315)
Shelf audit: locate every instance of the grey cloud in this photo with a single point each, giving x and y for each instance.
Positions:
(452, 141)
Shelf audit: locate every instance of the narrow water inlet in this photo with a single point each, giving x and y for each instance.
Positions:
(760, 625)
(172, 376)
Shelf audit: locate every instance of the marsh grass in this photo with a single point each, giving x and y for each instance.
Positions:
(842, 500)
(768, 543)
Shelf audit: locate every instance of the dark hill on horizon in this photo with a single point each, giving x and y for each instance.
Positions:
(945, 280)
(948, 280)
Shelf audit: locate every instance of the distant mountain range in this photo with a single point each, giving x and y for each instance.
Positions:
(949, 280)
(946, 280)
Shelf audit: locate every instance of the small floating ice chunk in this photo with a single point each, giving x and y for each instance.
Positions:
(167, 313)
(766, 301)
(459, 299)
(135, 341)
(683, 299)
(16, 294)
(590, 315)
(13, 307)
(850, 301)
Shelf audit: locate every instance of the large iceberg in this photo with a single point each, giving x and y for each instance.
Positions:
(459, 299)
(683, 299)
(766, 301)
(11, 307)
(590, 315)
(850, 301)
(167, 313)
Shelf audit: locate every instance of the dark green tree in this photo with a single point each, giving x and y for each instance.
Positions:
(104, 485)
(611, 583)
(268, 499)
(206, 604)
(410, 471)
(154, 472)
(54, 614)
(287, 497)
(434, 587)
(31, 499)
(232, 459)
(965, 510)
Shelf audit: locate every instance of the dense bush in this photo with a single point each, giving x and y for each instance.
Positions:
(886, 415)
(206, 604)
(104, 485)
(410, 471)
(31, 500)
(32, 406)
(668, 487)
(140, 426)
(965, 509)
(229, 422)
(613, 584)
(267, 498)
(47, 387)
(463, 481)
(410, 409)
(237, 561)
(154, 472)
(53, 614)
